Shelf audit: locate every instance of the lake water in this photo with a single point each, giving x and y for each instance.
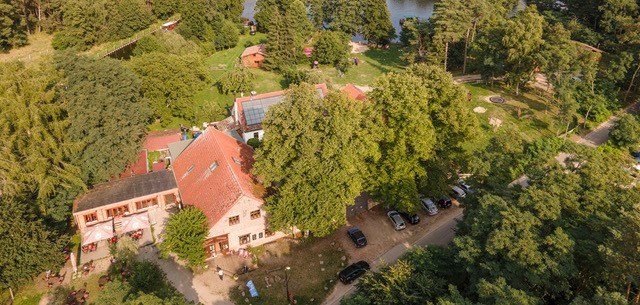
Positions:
(398, 8)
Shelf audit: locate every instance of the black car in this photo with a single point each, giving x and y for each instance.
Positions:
(357, 236)
(353, 271)
(413, 219)
(444, 202)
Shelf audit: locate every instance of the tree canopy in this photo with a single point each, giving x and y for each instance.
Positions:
(169, 81)
(559, 241)
(36, 155)
(106, 113)
(312, 157)
(27, 247)
(419, 112)
(185, 234)
(331, 47)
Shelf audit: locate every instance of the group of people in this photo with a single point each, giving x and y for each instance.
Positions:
(90, 247)
(50, 278)
(135, 235)
(88, 267)
(78, 297)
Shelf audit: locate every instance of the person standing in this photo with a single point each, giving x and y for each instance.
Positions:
(220, 272)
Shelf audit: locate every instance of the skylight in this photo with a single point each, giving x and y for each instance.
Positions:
(213, 166)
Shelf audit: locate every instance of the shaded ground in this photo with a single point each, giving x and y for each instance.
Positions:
(600, 134)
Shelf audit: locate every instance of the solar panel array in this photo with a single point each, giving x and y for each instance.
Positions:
(254, 110)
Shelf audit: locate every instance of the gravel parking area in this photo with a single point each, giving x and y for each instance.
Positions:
(381, 235)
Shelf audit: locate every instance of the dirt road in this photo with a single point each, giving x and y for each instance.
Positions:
(441, 234)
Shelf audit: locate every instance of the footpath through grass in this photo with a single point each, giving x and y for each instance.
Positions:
(314, 265)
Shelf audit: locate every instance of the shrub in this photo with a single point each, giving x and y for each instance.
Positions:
(253, 142)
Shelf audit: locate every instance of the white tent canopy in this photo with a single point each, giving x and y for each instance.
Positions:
(135, 222)
(97, 233)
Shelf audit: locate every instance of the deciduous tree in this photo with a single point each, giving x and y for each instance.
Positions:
(185, 234)
(331, 47)
(312, 157)
(238, 80)
(169, 81)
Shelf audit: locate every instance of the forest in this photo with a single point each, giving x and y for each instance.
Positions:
(71, 120)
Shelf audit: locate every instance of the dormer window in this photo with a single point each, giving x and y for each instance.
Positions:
(236, 160)
(213, 166)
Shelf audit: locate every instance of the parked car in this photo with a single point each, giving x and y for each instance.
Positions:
(353, 271)
(458, 192)
(636, 156)
(444, 202)
(429, 206)
(357, 236)
(466, 187)
(413, 219)
(396, 220)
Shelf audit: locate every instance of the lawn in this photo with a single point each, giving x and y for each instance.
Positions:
(39, 45)
(373, 63)
(314, 264)
(531, 115)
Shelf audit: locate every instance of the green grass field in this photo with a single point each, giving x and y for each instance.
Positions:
(531, 115)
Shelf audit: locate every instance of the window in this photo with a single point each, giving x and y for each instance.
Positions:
(255, 214)
(255, 135)
(146, 203)
(236, 160)
(234, 220)
(90, 217)
(245, 239)
(119, 211)
(254, 237)
(260, 235)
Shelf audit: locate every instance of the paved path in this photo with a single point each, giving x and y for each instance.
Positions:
(600, 135)
(205, 288)
(440, 235)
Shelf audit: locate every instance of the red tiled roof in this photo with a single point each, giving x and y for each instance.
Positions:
(140, 167)
(160, 139)
(239, 101)
(158, 166)
(214, 191)
(257, 49)
(354, 93)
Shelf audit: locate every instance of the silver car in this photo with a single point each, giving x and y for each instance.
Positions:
(396, 220)
(429, 206)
